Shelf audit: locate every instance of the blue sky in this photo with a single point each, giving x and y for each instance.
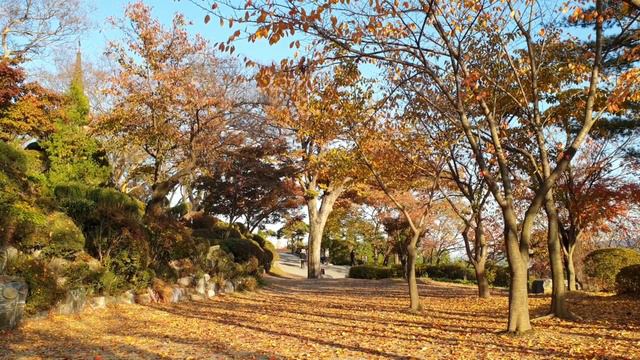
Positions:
(95, 40)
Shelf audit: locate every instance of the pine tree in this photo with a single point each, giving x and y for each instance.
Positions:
(75, 156)
(78, 108)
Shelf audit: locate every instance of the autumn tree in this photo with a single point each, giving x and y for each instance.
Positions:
(250, 183)
(310, 109)
(26, 108)
(417, 38)
(596, 190)
(168, 100)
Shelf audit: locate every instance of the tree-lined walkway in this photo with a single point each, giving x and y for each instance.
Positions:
(332, 318)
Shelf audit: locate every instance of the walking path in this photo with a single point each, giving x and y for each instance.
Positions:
(333, 319)
(290, 264)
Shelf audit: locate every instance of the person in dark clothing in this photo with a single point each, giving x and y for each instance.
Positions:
(353, 257)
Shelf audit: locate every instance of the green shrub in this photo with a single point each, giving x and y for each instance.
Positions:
(628, 280)
(252, 266)
(44, 291)
(58, 237)
(81, 275)
(65, 237)
(271, 254)
(131, 267)
(374, 272)
(446, 271)
(13, 161)
(498, 275)
(111, 284)
(243, 249)
(601, 266)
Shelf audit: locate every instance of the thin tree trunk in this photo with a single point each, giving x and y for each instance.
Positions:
(411, 274)
(558, 296)
(481, 277)
(313, 253)
(571, 270)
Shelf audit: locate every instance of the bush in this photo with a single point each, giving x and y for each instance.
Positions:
(601, 266)
(65, 237)
(59, 236)
(271, 254)
(111, 284)
(243, 249)
(44, 291)
(446, 271)
(498, 275)
(81, 275)
(374, 272)
(628, 280)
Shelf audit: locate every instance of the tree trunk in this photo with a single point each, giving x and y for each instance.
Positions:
(411, 274)
(571, 270)
(481, 277)
(313, 250)
(558, 303)
(518, 294)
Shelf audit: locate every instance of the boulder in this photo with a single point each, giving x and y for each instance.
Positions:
(201, 286)
(185, 281)
(127, 298)
(178, 294)
(196, 297)
(13, 295)
(229, 287)
(73, 303)
(211, 290)
(98, 302)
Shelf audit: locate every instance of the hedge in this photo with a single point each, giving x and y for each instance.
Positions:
(601, 266)
(628, 280)
(374, 272)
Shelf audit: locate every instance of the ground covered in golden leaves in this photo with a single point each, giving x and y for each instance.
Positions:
(333, 319)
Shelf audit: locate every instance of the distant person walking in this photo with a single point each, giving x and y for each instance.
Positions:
(353, 257)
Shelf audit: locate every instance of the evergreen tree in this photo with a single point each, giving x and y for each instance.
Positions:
(75, 156)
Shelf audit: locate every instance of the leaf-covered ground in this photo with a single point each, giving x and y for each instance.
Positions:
(334, 319)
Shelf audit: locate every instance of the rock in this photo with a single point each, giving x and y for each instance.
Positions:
(201, 286)
(228, 287)
(13, 295)
(185, 281)
(73, 303)
(98, 302)
(211, 290)
(126, 298)
(178, 294)
(542, 286)
(207, 277)
(196, 297)
(11, 252)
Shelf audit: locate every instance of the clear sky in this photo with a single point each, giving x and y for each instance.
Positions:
(95, 40)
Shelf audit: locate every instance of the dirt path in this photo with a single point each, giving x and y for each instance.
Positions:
(334, 319)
